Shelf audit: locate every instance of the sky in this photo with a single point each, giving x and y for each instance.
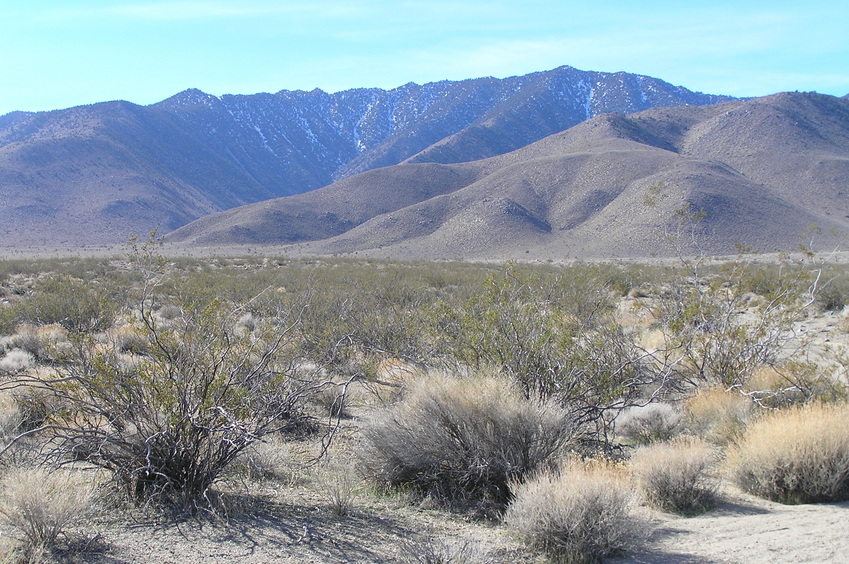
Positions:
(62, 53)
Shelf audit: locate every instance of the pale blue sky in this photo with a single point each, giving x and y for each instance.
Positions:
(61, 53)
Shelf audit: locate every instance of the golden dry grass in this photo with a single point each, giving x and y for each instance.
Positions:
(581, 513)
(717, 415)
(797, 455)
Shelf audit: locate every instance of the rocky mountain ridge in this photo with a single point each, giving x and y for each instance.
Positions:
(760, 171)
(96, 174)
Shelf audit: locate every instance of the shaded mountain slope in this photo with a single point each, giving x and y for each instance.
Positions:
(94, 174)
(761, 170)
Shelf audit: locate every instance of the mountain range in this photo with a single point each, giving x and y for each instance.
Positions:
(685, 179)
(95, 174)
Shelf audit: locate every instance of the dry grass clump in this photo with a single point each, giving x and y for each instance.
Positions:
(675, 476)
(41, 505)
(797, 455)
(649, 423)
(10, 417)
(716, 415)
(269, 459)
(462, 439)
(444, 550)
(583, 513)
(16, 360)
(339, 485)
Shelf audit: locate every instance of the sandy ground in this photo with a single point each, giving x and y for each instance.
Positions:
(748, 530)
(743, 529)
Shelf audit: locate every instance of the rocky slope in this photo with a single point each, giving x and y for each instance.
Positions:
(759, 171)
(94, 174)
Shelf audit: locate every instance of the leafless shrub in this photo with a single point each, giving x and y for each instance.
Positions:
(463, 438)
(675, 476)
(583, 513)
(649, 423)
(797, 455)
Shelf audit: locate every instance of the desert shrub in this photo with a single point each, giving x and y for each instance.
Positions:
(26, 338)
(46, 343)
(463, 438)
(796, 455)
(649, 423)
(8, 320)
(795, 382)
(719, 332)
(333, 399)
(717, 415)
(16, 360)
(35, 403)
(554, 335)
(40, 505)
(168, 424)
(10, 417)
(675, 476)
(268, 459)
(833, 293)
(583, 513)
(127, 338)
(76, 305)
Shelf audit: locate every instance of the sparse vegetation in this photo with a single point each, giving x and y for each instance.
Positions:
(40, 505)
(452, 386)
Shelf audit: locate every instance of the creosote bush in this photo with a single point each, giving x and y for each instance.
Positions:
(553, 334)
(675, 476)
(796, 455)
(582, 513)
(463, 438)
(168, 423)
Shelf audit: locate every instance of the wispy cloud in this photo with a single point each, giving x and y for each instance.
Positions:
(205, 9)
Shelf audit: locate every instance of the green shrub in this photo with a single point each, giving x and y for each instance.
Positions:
(581, 514)
(554, 335)
(463, 438)
(675, 476)
(796, 455)
(78, 306)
